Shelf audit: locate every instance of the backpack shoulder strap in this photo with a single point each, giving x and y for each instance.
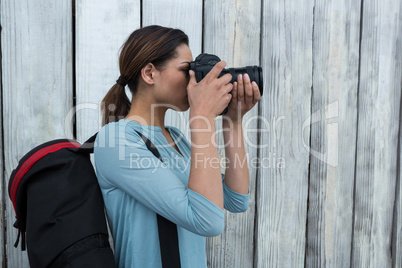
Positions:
(88, 146)
(168, 238)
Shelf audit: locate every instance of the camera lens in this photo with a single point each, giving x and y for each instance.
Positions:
(254, 72)
(205, 62)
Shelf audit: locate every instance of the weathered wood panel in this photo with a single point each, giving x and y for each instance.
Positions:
(282, 187)
(232, 31)
(397, 216)
(333, 133)
(397, 220)
(101, 30)
(187, 16)
(378, 125)
(182, 14)
(3, 183)
(37, 85)
(309, 55)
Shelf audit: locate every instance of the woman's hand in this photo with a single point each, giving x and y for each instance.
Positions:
(211, 95)
(245, 95)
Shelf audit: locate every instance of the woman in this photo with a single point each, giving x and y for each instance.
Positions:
(188, 189)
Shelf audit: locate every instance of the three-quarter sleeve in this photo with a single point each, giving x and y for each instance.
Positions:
(233, 201)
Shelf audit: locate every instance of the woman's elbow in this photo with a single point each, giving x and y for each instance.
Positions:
(244, 208)
(211, 227)
(241, 209)
(214, 229)
(237, 207)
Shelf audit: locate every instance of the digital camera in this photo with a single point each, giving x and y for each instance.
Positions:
(205, 62)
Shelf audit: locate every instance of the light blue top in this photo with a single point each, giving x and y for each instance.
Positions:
(135, 185)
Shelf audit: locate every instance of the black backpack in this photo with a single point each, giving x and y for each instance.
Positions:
(60, 210)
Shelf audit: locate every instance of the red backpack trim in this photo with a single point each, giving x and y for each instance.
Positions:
(31, 161)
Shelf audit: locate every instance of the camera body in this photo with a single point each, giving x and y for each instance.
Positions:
(205, 62)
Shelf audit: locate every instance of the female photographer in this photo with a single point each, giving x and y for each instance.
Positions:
(187, 188)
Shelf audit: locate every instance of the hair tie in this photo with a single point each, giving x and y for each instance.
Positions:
(121, 81)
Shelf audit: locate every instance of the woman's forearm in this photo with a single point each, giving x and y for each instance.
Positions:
(236, 174)
(205, 173)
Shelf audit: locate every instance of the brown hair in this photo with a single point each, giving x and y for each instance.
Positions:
(152, 44)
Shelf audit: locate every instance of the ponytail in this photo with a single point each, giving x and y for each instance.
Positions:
(151, 44)
(115, 105)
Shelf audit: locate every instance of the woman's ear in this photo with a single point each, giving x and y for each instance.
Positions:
(147, 73)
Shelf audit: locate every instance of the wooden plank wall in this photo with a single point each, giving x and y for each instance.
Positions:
(282, 187)
(334, 111)
(37, 87)
(101, 29)
(397, 221)
(232, 31)
(377, 138)
(327, 189)
(2, 182)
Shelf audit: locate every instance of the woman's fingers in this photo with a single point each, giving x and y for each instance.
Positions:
(229, 88)
(211, 94)
(240, 88)
(216, 70)
(256, 93)
(234, 92)
(248, 91)
(192, 80)
(225, 79)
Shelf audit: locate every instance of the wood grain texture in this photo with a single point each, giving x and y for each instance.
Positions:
(37, 85)
(101, 30)
(397, 222)
(232, 31)
(378, 125)
(336, 202)
(333, 132)
(3, 180)
(283, 186)
(397, 217)
(184, 15)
